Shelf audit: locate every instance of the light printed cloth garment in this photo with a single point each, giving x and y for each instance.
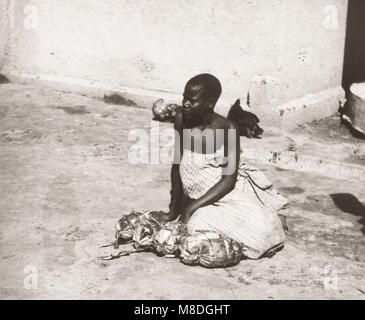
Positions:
(248, 214)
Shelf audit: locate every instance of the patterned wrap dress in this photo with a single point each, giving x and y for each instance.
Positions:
(247, 214)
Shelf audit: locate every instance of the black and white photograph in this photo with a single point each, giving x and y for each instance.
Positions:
(182, 150)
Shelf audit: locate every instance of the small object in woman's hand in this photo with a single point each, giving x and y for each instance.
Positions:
(164, 112)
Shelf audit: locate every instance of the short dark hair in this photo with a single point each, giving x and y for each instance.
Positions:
(209, 83)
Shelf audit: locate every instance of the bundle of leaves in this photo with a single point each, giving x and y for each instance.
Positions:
(164, 112)
(210, 249)
(126, 226)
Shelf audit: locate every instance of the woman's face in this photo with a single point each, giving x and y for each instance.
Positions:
(194, 105)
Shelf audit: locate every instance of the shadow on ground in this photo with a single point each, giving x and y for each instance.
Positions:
(350, 204)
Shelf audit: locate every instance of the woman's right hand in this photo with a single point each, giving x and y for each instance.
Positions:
(188, 207)
(168, 216)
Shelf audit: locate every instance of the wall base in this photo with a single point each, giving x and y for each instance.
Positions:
(310, 107)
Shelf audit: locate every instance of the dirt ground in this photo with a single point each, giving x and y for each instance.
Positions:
(66, 180)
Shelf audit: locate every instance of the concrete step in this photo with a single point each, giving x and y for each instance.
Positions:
(323, 147)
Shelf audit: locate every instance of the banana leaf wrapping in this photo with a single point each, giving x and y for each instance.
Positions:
(167, 240)
(210, 250)
(145, 231)
(126, 226)
(164, 112)
(149, 232)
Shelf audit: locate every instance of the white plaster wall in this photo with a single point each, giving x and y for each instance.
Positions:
(4, 30)
(161, 44)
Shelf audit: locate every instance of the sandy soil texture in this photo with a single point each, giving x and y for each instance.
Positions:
(66, 179)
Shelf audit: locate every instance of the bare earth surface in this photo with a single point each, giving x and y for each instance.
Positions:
(66, 180)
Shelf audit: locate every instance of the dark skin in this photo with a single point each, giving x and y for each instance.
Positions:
(198, 113)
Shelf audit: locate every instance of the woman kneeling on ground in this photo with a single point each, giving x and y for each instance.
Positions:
(212, 188)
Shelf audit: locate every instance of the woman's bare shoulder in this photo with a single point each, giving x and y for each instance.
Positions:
(221, 122)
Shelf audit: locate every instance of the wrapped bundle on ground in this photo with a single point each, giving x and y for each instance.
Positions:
(168, 239)
(210, 250)
(164, 112)
(126, 226)
(145, 231)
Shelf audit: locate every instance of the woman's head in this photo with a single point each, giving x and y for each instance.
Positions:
(200, 96)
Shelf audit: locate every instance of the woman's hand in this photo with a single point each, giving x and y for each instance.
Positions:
(168, 216)
(188, 207)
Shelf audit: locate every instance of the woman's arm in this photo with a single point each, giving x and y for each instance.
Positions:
(227, 182)
(176, 185)
(176, 191)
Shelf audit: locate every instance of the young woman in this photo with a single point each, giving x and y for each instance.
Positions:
(212, 189)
